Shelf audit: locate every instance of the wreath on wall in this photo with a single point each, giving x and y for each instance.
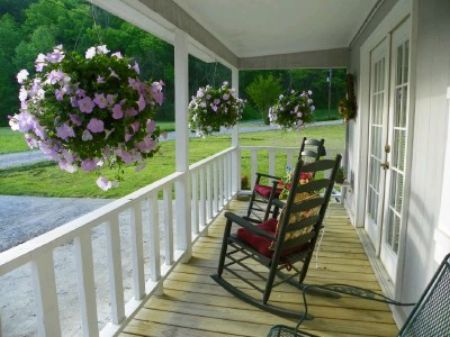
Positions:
(292, 109)
(347, 106)
(212, 108)
(89, 112)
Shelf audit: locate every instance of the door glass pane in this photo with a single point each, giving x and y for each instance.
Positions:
(398, 149)
(399, 77)
(398, 107)
(398, 134)
(404, 106)
(406, 63)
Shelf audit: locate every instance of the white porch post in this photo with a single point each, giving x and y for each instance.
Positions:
(236, 168)
(183, 201)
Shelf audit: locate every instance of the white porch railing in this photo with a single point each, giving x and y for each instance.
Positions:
(211, 189)
(277, 156)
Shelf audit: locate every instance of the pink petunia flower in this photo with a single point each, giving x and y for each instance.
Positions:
(117, 111)
(150, 126)
(104, 183)
(22, 76)
(88, 165)
(157, 93)
(86, 105)
(65, 131)
(96, 125)
(141, 103)
(75, 119)
(100, 101)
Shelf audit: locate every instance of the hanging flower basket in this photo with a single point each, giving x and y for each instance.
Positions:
(212, 108)
(292, 110)
(347, 106)
(89, 112)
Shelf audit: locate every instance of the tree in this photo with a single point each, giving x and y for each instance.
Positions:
(264, 91)
(9, 38)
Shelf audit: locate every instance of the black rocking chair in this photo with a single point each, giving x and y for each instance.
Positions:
(430, 316)
(310, 150)
(279, 245)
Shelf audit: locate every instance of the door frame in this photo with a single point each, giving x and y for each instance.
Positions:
(400, 12)
(385, 122)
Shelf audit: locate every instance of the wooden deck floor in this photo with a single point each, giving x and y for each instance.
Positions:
(193, 305)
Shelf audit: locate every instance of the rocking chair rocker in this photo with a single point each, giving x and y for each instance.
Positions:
(310, 150)
(279, 245)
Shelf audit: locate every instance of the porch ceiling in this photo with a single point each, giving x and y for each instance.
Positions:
(266, 27)
(254, 34)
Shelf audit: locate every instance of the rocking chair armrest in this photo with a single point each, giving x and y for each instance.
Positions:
(248, 225)
(265, 175)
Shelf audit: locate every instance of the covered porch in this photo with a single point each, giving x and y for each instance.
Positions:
(192, 304)
(175, 224)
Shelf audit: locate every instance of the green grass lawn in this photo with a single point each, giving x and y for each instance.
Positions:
(45, 179)
(11, 141)
(325, 115)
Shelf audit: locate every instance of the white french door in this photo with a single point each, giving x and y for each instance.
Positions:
(377, 139)
(388, 134)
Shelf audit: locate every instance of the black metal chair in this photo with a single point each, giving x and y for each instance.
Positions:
(310, 150)
(430, 316)
(279, 245)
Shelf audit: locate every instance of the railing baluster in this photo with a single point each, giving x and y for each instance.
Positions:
(271, 162)
(202, 206)
(216, 188)
(230, 171)
(194, 201)
(86, 284)
(45, 293)
(209, 194)
(155, 250)
(168, 225)
(289, 158)
(254, 166)
(115, 270)
(226, 177)
(221, 197)
(137, 251)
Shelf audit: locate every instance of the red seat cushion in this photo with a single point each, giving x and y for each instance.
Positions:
(262, 244)
(259, 243)
(265, 191)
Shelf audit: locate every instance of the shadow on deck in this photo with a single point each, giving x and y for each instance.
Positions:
(193, 305)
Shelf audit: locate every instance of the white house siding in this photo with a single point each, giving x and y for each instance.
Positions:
(431, 124)
(430, 138)
(352, 128)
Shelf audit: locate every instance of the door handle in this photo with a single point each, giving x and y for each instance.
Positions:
(385, 165)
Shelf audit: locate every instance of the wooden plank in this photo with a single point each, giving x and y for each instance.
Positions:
(253, 316)
(319, 311)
